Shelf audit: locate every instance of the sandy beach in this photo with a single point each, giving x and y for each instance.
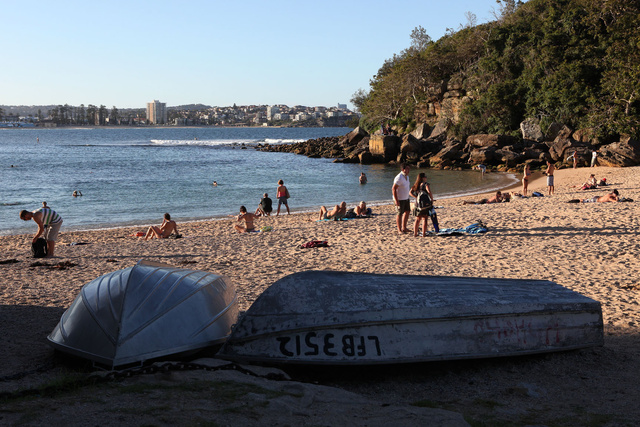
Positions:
(591, 248)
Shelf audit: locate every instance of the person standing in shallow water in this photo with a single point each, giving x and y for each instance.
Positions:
(282, 194)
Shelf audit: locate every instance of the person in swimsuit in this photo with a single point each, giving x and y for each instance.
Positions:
(362, 210)
(550, 170)
(49, 223)
(611, 197)
(282, 194)
(338, 211)
(168, 226)
(248, 218)
(591, 183)
(481, 168)
(525, 179)
(363, 178)
(497, 198)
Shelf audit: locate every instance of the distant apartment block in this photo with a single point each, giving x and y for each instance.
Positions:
(157, 112)
(272, 111)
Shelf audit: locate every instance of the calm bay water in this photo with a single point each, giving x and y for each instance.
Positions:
(134, 175)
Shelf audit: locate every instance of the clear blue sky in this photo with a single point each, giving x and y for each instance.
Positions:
(127, 53)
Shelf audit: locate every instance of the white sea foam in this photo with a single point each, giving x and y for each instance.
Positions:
(203, 142)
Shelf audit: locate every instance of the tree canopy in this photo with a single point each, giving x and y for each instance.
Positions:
(576, 62)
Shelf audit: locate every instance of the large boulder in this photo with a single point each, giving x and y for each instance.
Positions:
(451, 153)
(353, 137)
(365, 158)
(422, 131)
(485, 155)
(385, 148)
(509, 157)
(488, 140)
(410, 145)
(553, 130)
(531, 130)
(623, 153)
(440, 129)
(561, 144)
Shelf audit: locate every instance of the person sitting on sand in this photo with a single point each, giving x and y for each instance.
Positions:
(497, 198)
(362, 210)
(591, 183)
(265, 207)
(339, 211)
(248, 218)
(165, 230)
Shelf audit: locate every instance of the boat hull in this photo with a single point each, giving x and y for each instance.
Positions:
(144, 312)
(340, 318)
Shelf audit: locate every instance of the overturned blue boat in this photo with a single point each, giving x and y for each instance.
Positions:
(342, 318)
(145, 312)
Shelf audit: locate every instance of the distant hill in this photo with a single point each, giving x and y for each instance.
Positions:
(32, 110)
(190, 107)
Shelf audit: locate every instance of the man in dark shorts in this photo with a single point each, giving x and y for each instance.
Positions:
(265, 207)
(401, 192)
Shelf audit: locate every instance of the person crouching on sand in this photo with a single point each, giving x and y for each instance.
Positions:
(248, 218)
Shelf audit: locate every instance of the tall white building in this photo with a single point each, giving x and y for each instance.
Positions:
(272, 111)
(157, 112)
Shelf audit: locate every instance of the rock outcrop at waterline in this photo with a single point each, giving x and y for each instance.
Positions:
(430, 147)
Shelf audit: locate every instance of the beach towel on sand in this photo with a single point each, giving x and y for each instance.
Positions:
(475, 228)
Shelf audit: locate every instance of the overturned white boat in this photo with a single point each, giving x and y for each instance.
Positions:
(145, 312)
(341, 318)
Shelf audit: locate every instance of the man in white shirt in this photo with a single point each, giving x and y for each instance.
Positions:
(400, 190)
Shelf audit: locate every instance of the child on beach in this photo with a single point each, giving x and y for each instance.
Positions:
(282, 195)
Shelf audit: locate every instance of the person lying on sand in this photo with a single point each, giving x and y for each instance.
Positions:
(168, 227)
(339, 211)
(248, 218)
(497, 198)
(611, 197)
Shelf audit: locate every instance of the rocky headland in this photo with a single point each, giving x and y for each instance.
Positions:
(430, 147)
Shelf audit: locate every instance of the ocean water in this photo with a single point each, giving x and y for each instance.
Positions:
(134, 175)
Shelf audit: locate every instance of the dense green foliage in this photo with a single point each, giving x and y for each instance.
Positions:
(575, 62)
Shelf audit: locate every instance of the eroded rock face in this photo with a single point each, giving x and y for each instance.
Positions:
(499, 151)
(385, 148)
(623, 153)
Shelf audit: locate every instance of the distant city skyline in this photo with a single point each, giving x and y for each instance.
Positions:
(210, 52)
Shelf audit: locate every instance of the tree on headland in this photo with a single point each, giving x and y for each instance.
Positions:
(574, 62)
(102, 115)
(114, 116)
